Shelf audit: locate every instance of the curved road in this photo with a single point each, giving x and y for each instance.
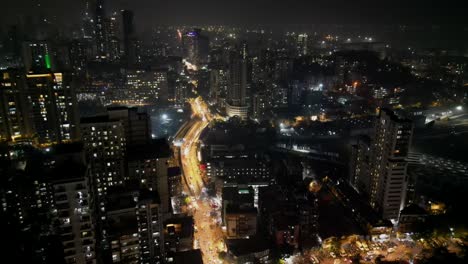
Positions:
(209, 236)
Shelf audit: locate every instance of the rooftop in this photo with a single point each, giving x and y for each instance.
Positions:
(413, 209)
(185, 223)
(239, 247)
(68, 171)
(158, 148)
(190, 256)
(95, 119)
(236, 209)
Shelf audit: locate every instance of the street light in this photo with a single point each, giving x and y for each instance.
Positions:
(459, 108)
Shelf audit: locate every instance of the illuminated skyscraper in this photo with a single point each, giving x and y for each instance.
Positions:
(79, 54)
(72, 212)
(112, 39)
(359, 165)
(181, 92)
(388, 164)
(196, 47)
(236, 104)
(134, 226)
(147, 86)
(302, 44)
(237, 81)
(100, 31)
(52, 107)
(13, 109)
(150, 228)
(259, 104)
(37, 56)
(87, 28)
(137, 125)
(218, 84)
(104, 143)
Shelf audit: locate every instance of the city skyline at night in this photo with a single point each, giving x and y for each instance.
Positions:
(219, 132)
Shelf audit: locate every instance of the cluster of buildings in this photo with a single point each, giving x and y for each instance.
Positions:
(262, 218)
(103, 198)
(82, 173)
(94, 185)
(379, 164)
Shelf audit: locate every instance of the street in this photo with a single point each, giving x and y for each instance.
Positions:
(208, 233)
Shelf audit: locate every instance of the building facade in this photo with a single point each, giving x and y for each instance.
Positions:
(52, 107)
(388, 164)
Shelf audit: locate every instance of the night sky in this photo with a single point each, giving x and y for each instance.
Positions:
(150, 12)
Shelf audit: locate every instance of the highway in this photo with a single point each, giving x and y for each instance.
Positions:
(208, 235)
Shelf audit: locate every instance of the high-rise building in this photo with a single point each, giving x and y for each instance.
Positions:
(181, 92)
(239, 214)
(106, 139)
(196, 47)
(52, 107)
(259, 104)
(38, 56)
(130, 42)
(148, 165)
(100, 31)
(133, 225)
(136, 125)
(174, 180)
(128, 29)
(80, 51)
(14, 120)
(359, 164)
(150, 230)
(13, 42)
(388, 164)
(302, 44)
(218, 84)
(87, 28)
(147, 86)
(236, 104)
(72, 208)
(237, 81)
(104, 143)
(122, 227)
(112, 37)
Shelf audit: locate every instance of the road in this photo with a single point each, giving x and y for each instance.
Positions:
(208, 235)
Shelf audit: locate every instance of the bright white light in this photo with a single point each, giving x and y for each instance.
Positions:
(164, 116)
(190, 66)
(459, 108)
(281, 125)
